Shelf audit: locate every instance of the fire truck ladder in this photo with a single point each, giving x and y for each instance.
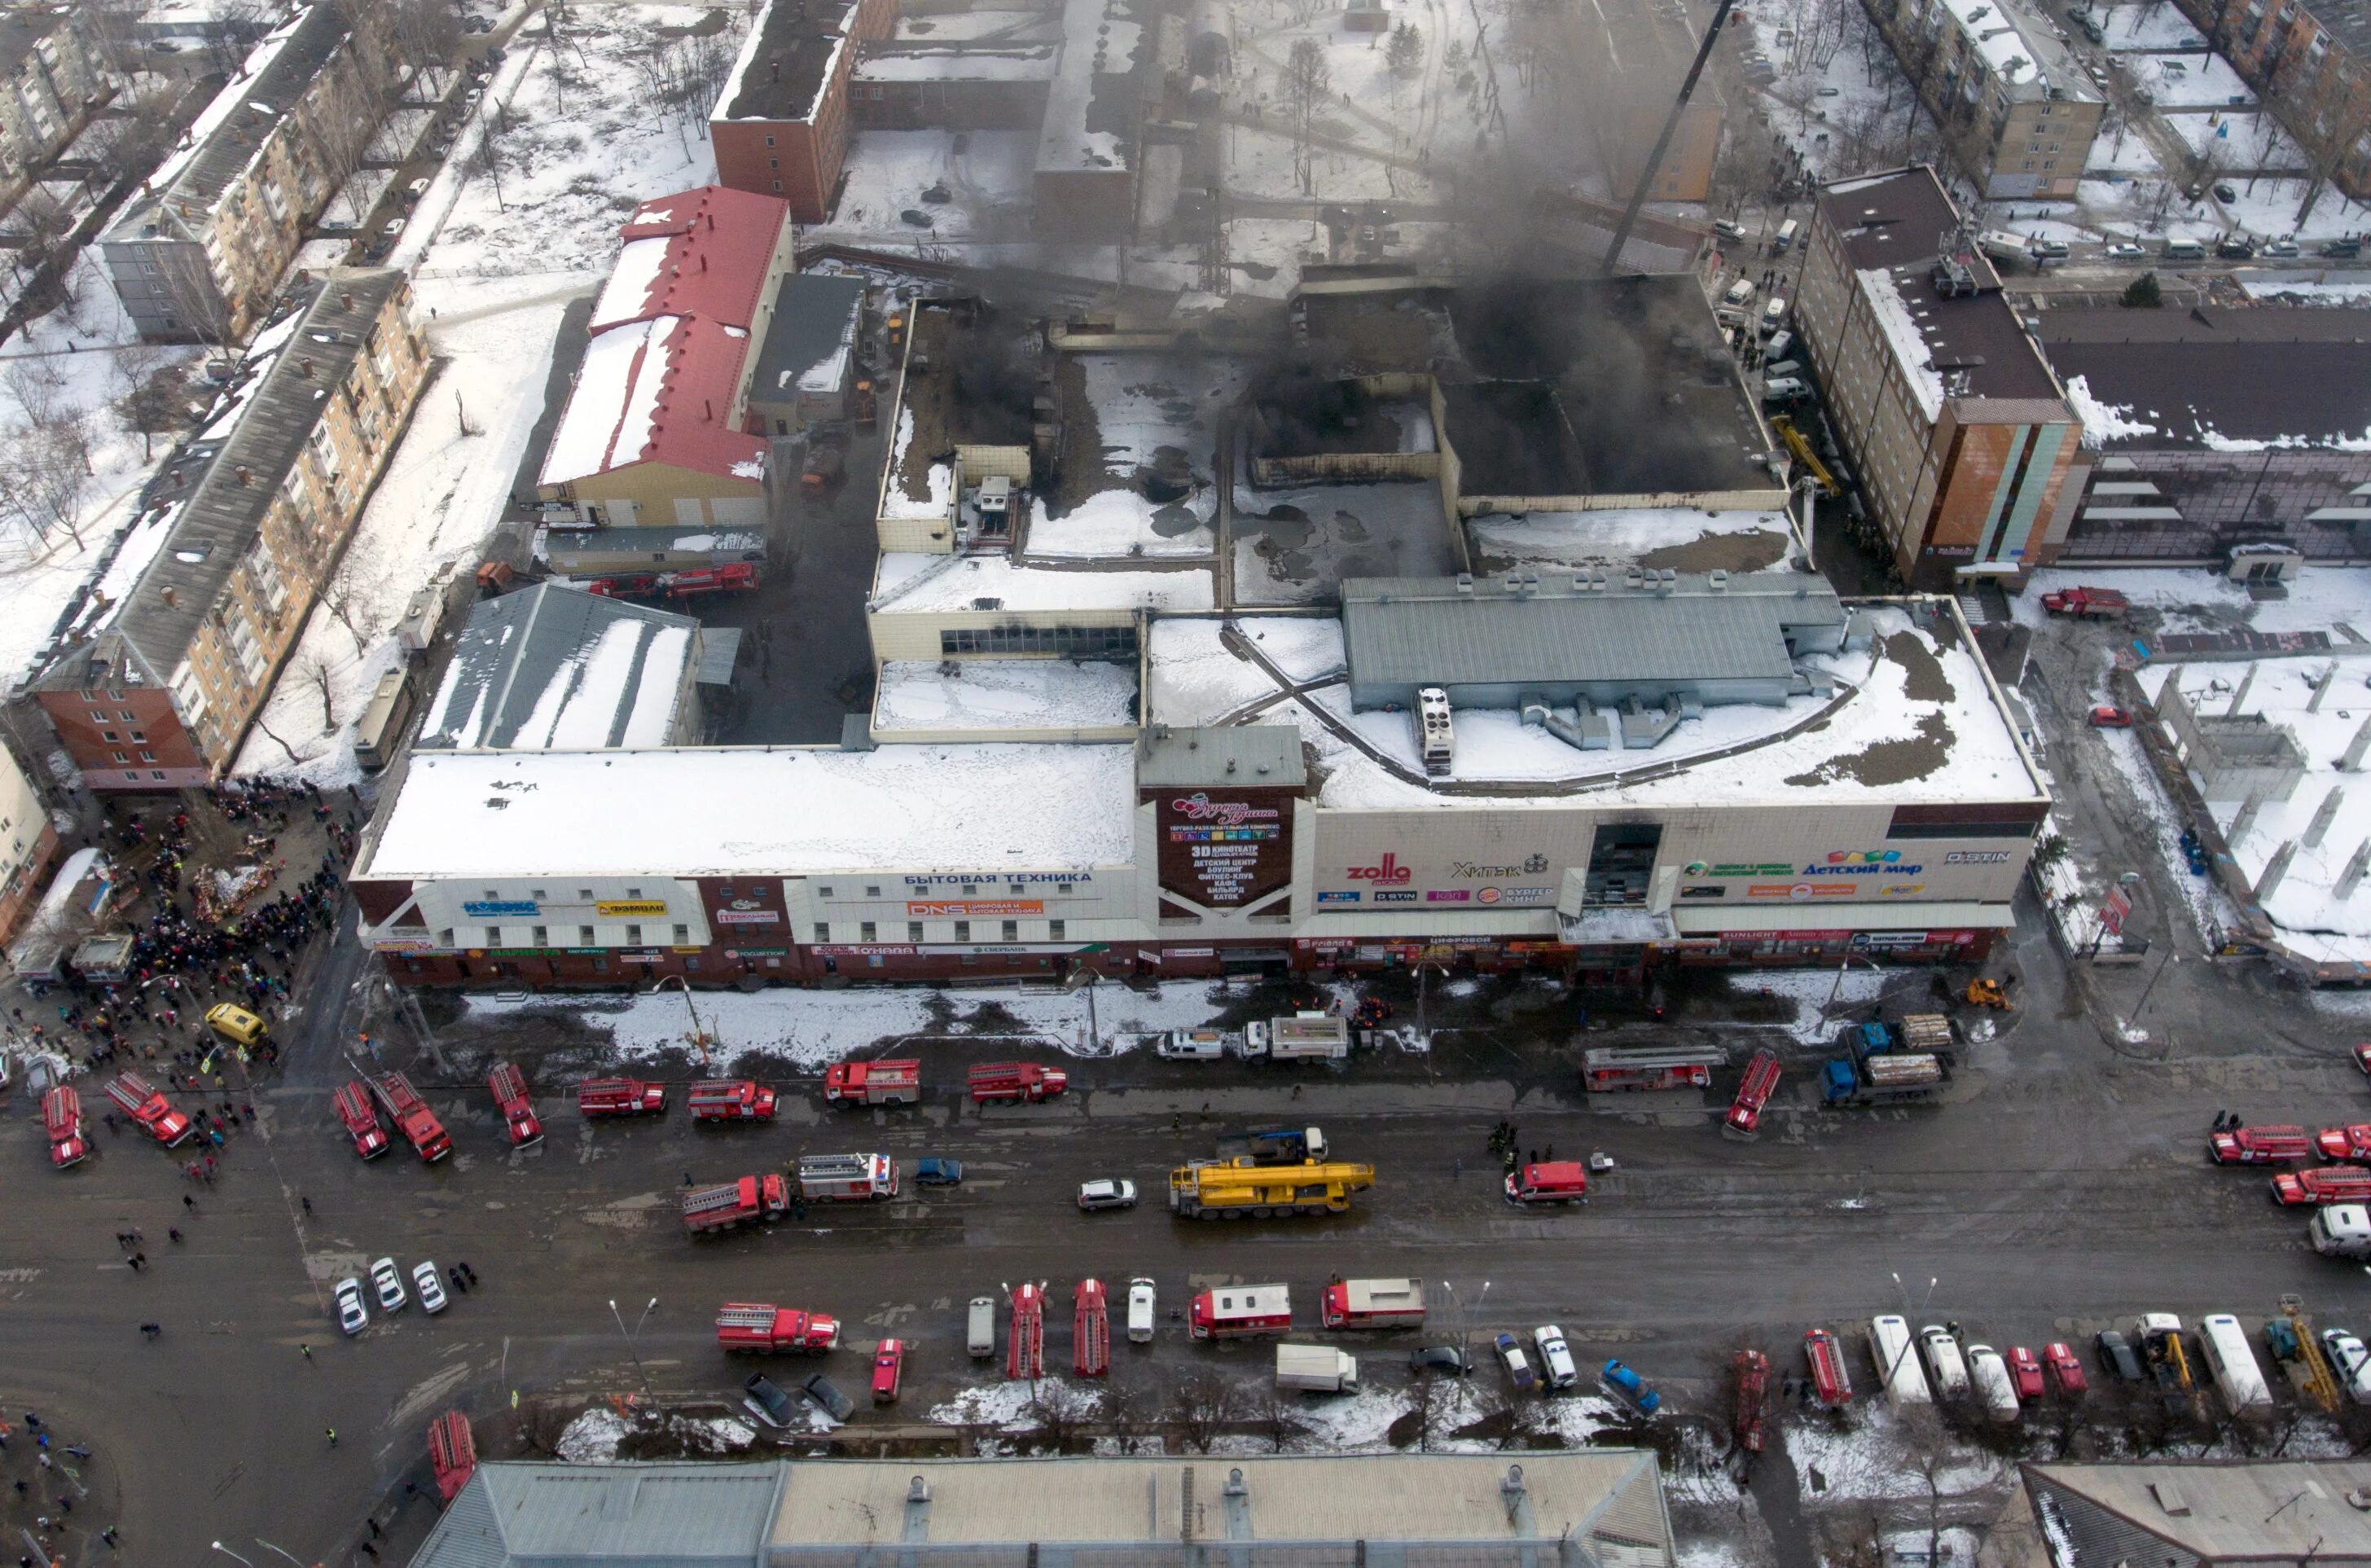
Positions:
(2315, 1380)
(1024, 1358)
(1090, 1332)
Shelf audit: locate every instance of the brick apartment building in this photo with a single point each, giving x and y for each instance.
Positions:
(198, 251)
(2312, 67)
(28, 843)
(2010, 96)
(658, 430)
(1962, 438)
(52, 74)
(155, 689)
(781, 125)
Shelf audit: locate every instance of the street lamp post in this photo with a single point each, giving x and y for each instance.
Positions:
(233, 1555)
(282, 1551)
(633, 1345)
(698, 1035)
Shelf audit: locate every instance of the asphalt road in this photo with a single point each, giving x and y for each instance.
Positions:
(2061, 1185)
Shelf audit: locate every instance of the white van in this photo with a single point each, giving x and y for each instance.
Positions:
(1739, 293)
(1773, 313)
(1993, 1388)
(2184, 250)
(1192, 1045)
(1784, 240)
(2235, 1371)
(1140, 1310)
(1944, 1362)
(979, 1336)
(1897, 1362)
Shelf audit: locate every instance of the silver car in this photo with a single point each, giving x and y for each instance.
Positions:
(352, 1315)
(1108, 1193)
(389, 1285)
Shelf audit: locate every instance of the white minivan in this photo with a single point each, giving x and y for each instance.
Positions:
(2235, 1371)
(1140, 1310)
(1944, 1362)
(1897, 1362)
(1993, 1388)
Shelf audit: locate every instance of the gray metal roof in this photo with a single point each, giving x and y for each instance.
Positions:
(218, 522)
(2282, 1512)
(550, 661)
(815, 313)
(230, 145)
(1247, 755)
(1430, 630)
(632, 1515)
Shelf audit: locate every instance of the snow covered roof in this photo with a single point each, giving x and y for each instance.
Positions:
(2222, 379)
(2021, 48)
(757, 811)
(953, 62)
(229, 134)
(1093, 89)
(706, 252)
(989, 695)
(2256, 1511)
(908, 583)
(553, 667)
(786, 61)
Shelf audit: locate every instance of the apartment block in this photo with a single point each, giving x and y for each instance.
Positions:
(2312, 67)
(199, 250)
(2012, 98)
(28, 843)
(52, 75)
(157, 689)
(780, 127)
(1962, 438)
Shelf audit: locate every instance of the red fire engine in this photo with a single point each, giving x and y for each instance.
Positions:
(1373, 1304)
(509, 1087)
(890, 1081)
(1090, 1329)
(361, 1118)
(1236, 1312)
(152, 1112)
(752, 1326)
(2331, 1184)
(1753, 1393)
(620, 1096)
(1549, 1182)
(1015, 1081)
(1831, 1380)
(731, 1203)
(1744, 1118)
(731, 1099)
(1025, 1356)
(2350, 1144)
(412, 1116)
(61, 1120)
(452, 1453)
(1612, 1067)
(2260, 1145)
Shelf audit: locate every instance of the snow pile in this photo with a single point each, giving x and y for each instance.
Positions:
(1869, 1454)
(592, 1438)
(909, 585)
(1007, 1406)
(1589, 539)
(2102, 422)
(1824, 998)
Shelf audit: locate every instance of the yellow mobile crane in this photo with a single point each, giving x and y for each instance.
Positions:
(1240, 1188)
(1783, 428)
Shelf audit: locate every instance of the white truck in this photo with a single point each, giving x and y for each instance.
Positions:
(1304, 1037)
(2340, 1230)
(1197, 1045)
(1897, 1362)
(1944, 1363)
(1994, 1391)
(1316, 1369)
(2237, 1375)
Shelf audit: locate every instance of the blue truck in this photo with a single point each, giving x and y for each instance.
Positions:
(1888, 1064)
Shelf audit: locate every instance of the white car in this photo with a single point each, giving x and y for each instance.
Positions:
(1139, 1309)
(431, 1288)
(2351, 1360)
(352, 1316)
(389, 1285)
(1555, 1356)
(1107, 1194)
(2125, 250)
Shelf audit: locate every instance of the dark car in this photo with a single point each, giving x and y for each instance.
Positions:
(1439, 1358)
(2235, 247)
(2224, 192)
(838, 1406)
(765, 1401)
(2117, 1357)
(2342, 249)
(939, 1172)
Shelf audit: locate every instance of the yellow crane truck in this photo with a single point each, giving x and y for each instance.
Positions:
(1238, 1189)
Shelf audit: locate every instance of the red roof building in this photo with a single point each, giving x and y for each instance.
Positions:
(657, 428)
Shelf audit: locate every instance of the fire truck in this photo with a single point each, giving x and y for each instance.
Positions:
(361, 1118)
(412, 1116)
(1549, 1182)
(731, 1099)
(1831, 1378)
(155, 1114)
(1090, 1329)
(509, 1087)
(1610, 1068)
(2335, 1184)
(847, 1178)
(1014, 1081)
(897, 1080)
(620, 1096)
(734, 1203)
(1241, 1312)
(733, 576)
(61, 1120)
(1744, 1118)
(1752, 1370)
(452, 1453)
(1373, 1304)
(1243, 1189)
(2086, 603)
(752, 1326)
(2260, 1145)
(1024, 1358)
(2350, 1144)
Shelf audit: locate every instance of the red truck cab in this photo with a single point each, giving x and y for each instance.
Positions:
(151, 1110)
(888, 1371)
(413, 1117)
(1015, 1081)
(1831, 1380)
(61, 1120)
(1744, 1118)
(620, 1096)
(353, 1106)
(731, 1204)
(765, 1328)
(509, 1089)
(1549, 1182)
(891, 1081)
(2350, 1144)
(731, 1099)
(2260, 1145)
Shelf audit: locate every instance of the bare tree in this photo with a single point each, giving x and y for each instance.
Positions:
(43, 475)
(151, 394)
(1200, 1408)
(1308, 87)
(236, 26)
(192, 297)
(1281, 1416)
(1059, 1414)
(426, 32)
(343, 122)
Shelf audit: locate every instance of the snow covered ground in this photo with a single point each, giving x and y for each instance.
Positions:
(2188, 81)
(1120, 523)
(812, 1028)
(987, 185)
(2320, 598)
(2151, 24)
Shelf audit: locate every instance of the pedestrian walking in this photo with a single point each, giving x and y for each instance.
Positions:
(333, 1436)
(138, 1262)
(188, 1201)
(369, 1549)
(306, 1350)
(470, 1272)
(174, 1234)
(152, 1329)
(108, 1535)
(374, 1528)
(307, 1201)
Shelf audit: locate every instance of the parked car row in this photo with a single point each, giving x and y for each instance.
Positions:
(387, 1283)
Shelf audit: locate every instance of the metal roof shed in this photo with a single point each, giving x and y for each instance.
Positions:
(1605, 639)
(640, 1515)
